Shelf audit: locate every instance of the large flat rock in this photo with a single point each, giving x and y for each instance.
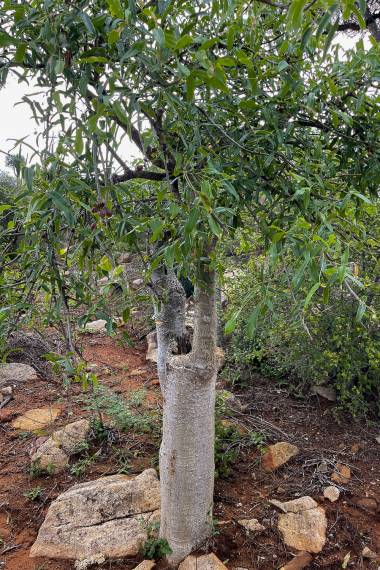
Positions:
(106, 517)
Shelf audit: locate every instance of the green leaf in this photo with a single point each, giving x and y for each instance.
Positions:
(282, 65)
(295, 14)
(226, 61)
(159, 36)
(310, 294)
(120, 113)
(360, 312)
(28, 177)
(214, 226)
(115, 8)
(88, 23)
(64, 205)
(183, 42)
(230, 325)
(20, 53)
(105, 264)
(190, 87)
(79, 142)
(4, 207)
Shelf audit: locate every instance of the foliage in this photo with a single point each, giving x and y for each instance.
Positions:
(125, 414)
(36, 470)
(80, 467)
(328, 342)
(34, 494)
(154, 547)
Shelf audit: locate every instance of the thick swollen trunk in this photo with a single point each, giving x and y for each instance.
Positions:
(187, 449)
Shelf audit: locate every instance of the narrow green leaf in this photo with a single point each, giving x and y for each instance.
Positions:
(310, 294)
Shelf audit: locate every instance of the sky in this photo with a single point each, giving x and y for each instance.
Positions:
(16, 120)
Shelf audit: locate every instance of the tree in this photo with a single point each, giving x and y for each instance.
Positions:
(235, 108)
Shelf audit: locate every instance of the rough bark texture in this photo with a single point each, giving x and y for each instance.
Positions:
(187, 449)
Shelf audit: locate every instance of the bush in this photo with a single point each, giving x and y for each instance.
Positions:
(325, 345)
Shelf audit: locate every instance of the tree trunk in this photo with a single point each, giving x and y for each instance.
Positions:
(187, 449)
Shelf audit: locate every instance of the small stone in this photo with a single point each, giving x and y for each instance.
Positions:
(15, 373)
(278, 454)
(355, 447)
(331, 493)
(151, 353)
(302, 560)
(377, 439)
(303, 526)
(251, 525)
(88, 562)
(99, 326)
(137, 283)
(368, 553)
(210, 562)
(342, 474)
(296, 505)
(146, 565)
(36, 419)
(327, 392)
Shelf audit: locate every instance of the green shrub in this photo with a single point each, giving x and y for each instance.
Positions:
(324, 345)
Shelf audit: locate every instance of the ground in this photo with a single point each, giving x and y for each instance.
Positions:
(324, 438)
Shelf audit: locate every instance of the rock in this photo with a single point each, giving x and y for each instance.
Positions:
(342, 474)
(302, 560)
(146, 565)
(368, 553)
(99, 326)
(56, 450)
(303, 526)
(106, 517)
(16, 373)
(151, 353)
(88, 562)
(252, 525)
(296, 505)
(36, 419)
(327, 392)
(278, 454)
(377, 439)
(137, 283)
(190, 563)
(206, 562)
(331, 493)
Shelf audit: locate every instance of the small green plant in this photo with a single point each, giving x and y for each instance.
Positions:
(34, 493)
(154, 547)
(126, 415)
(36, 470)
(123, 461)
(257, 439)
(79, 468)
(226, 448)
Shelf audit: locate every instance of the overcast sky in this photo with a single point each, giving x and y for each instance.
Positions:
(16, 121)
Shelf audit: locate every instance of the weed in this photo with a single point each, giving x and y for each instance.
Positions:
(34, 493)
(79, 468)
(126, 415)
(123, 461)
(154, 547)
(257, 439)
(36, 470)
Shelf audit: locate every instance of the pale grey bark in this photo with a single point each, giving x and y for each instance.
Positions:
(187, 449)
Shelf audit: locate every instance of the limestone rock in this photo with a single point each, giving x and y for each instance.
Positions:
(108, 517)
(210, 562)
(36, 419)
(296, 505)
(303, 526)
(88, 562)
(327, 392)
(278, 454)
(206, 562)
(146, 565)
(331, 493)
(15, 373)
(99, 326)
(251, 525)
(56, 450)
(370, 554)
(190, 563)
(342, 474)
(302, 560)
